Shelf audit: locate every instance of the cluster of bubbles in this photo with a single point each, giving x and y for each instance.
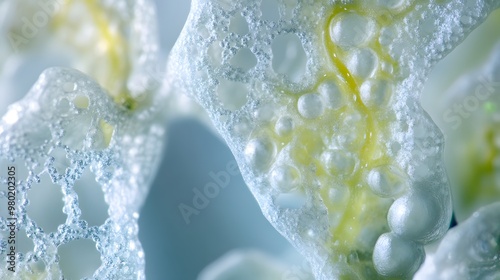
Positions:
(68, 111)
(107, 122)
(332, 142)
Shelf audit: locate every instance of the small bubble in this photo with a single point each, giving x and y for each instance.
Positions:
(331, 94)
(284, 178)
(394, 256)
(310, 106)
(363, 63)
(242, 128)
(351, 30)
(416, 216)
(375, 93)
(391, 4)
(284, 126)
(259, 153)
(69, 87)
(63, 106)
(338, 162)
(81, 102)
(264, 113)
(386, 181)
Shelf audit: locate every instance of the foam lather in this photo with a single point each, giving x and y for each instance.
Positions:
(319, 103)
(48, 128)
(71, 129)
(469, 251)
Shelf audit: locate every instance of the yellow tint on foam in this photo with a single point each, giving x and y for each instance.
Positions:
(349, 228)
(111, 47)
(368, 146)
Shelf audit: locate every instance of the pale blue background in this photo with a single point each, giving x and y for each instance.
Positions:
(232, 220)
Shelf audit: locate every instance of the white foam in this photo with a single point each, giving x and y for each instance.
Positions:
(68, 112)
(471, 250)
(351, 106)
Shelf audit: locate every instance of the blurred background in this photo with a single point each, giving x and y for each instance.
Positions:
(232, 219)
